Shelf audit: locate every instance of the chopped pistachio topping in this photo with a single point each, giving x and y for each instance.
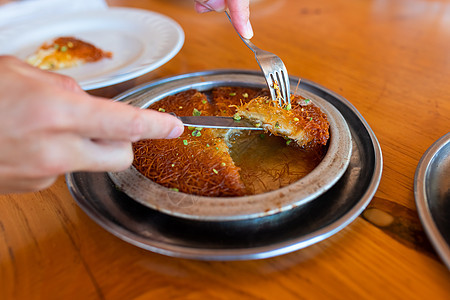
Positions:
(215, 171)
(237, 117)
(223, 164)
(196, 133)
(296, 119)
(185, 142)
(173, 165)
(196, 112)
(307, 100)
(174, 189)
(207, 145)
(204, 101)
(288, 142)
(232, 94)
(277, 125)
(258, 124)
(191, 127)
(245, 95)
(63, 48)
(70, 44)
(161, 109)
(310, 118)
(56, 46)
(288, 107)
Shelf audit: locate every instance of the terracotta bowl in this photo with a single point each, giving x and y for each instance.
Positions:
(178, 204)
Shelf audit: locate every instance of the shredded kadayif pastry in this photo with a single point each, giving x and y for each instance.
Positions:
(66, 52)
(199, 162)
(305, 124)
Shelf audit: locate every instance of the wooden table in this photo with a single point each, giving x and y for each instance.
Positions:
(390, 59)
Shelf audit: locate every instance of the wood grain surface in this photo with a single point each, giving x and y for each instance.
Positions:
(390, 59)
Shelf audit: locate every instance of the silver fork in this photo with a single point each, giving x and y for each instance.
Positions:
(274, 71)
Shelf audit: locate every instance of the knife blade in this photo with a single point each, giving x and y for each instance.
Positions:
(217, 122)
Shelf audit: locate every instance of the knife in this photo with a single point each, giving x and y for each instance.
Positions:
(217, 122)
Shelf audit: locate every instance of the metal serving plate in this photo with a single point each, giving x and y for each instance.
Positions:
(202, 208)
(432, 194)
(255, 238)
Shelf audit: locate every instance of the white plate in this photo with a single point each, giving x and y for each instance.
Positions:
(140, 41)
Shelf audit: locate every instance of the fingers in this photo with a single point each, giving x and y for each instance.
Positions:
(89, 116)
(46, 77)
(96, 156)
(72, 154)
(106, 120)
(51, 127)
(239, 13)
(65, 153)
(103, 155)
(203, 6)
(85, 155)
(63, 81)
(96, 118)
(20, 185)
(58, 80)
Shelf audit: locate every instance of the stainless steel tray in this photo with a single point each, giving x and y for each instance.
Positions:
(202, 208)
(432, 194)
(242, 239)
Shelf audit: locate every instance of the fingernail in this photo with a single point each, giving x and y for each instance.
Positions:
(248, 30)
(201, 8)
(176, 132)
(217, 5)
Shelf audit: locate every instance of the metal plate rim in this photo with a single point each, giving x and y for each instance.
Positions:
(271, 250)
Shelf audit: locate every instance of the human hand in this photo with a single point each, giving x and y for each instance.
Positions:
(239, 13)
(50, 126)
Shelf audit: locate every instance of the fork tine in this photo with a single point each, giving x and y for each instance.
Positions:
(283, 96)
(281, 88)
(271, 85)
(284, 83)
(286, 86)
